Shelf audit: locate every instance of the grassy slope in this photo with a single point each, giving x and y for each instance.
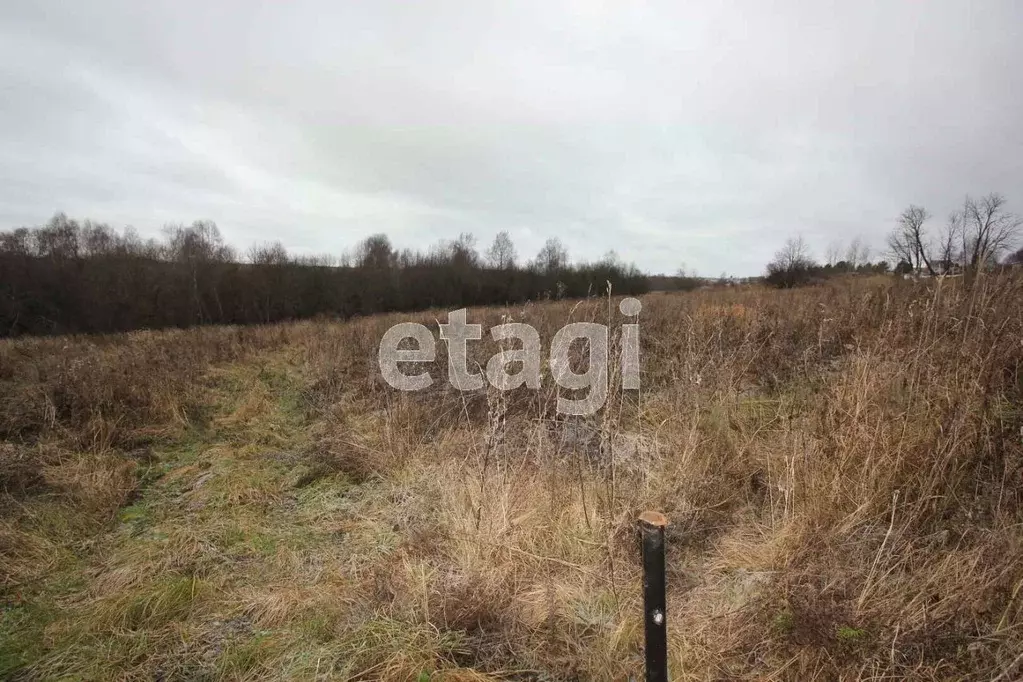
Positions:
(238, 559)
(841, 468)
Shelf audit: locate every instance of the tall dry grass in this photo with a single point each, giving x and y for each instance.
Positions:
(112, 390)
(77, 419)
(841, 466)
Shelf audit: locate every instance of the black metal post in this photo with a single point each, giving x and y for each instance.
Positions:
(651, 528)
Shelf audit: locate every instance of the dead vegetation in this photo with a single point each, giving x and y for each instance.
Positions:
(842, 467)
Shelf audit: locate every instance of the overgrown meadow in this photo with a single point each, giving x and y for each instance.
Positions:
(841, 465)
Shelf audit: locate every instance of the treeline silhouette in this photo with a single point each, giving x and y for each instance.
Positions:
(71, 277)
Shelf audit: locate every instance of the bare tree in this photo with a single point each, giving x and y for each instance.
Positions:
(552, 257)
(198, 250)
(988, 229)
(792, 265)
(795, 253)
(97, 239)
(501, 253)
(375, 252)
(59, 239)
(463, 251)
(858, 253)
(975, 236)
(610, 258)
(907, 242)
(271, 253)
(199, 243)
(833, 253)
(947, 253)
(17, 242)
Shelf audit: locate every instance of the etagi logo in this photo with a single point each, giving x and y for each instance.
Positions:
(457, 333)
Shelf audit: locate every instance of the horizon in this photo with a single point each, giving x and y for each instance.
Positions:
(348, 256)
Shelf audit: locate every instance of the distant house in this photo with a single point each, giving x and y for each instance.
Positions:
(946, 267)
(941, 268)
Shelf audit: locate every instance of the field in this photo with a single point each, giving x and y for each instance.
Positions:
(842, 467)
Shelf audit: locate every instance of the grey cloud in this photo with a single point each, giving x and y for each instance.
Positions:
(671, 133)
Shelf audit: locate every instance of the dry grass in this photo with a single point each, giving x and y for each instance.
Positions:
(842, 467)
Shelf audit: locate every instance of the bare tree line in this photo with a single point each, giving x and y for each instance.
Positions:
(66, 277)
(973, 237)
(794, 264)
(857, 253)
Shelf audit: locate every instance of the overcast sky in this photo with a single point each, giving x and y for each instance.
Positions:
(672, 132)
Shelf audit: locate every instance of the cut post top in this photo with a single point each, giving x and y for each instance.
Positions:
(653, 519)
